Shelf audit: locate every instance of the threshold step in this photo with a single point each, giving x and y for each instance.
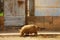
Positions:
(39, 33)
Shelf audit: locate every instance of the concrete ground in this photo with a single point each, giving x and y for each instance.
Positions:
(27, 38)
(15, 36)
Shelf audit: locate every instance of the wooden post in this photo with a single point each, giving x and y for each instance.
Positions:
(2, 22)
(26, 12)
(31, 7)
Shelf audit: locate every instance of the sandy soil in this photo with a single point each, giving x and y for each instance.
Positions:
(28, 38)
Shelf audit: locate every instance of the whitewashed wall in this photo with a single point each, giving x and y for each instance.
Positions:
(47, 7)
(14, 15)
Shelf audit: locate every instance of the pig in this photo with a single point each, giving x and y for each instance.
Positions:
(28, 29)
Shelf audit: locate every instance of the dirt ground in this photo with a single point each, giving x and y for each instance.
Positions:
(28, 38)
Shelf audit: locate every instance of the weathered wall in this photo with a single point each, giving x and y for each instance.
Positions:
(47, 7)
(14, 12)
(48, 22)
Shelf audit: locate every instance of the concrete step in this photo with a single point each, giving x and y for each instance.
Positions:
(9, 34)
(39, 33)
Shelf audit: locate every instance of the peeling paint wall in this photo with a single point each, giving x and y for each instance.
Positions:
(13, 13)
(47, 7)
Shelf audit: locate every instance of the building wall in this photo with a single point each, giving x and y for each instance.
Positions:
(47, 22)
(14, 12)
(47, 14)
(47, 7)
